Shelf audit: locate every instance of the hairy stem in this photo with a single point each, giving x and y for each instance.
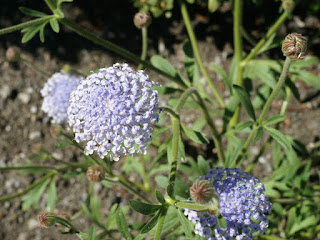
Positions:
(197, 55)
(144, 33)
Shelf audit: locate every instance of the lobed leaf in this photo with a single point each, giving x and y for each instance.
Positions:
(122, 224)
(144, 208)
(245, 100)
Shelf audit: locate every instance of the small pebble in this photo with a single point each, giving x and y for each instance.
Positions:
(24, 97)
(34, 135)
(4, 91)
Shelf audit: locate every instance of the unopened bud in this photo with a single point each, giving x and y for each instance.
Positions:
(66, 68)
(13, 54)
(288, 5)
(95, 173)
(55, 130)
(294, 46)
(47, 219)
(202, 192)
(142, 19)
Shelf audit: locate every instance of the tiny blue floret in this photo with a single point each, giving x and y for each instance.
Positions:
(242, 204)
(56, 93)
(114, 111)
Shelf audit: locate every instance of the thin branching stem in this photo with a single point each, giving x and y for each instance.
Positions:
(196, 52)
(116, 49)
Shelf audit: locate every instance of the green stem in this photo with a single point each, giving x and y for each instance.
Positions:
(265, 109)
(116, 49)
(34, 67)
(215, 135)
(260, 44)
(144, 33)
(174, 156)
(268, 142)
(67, 224)
(237, 24)
(145, 179)
(30, 187)
(275, 91)
(25, 24)
(160, 223)
(195, 49)
(246, 35)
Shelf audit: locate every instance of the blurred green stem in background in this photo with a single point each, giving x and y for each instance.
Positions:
(196, 52)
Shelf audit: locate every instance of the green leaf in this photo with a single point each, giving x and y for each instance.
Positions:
(162, 181)
(188, 59)
(275, 119)
(160, 197)
(203, 165)
(153, 221)
(304, 224)
(195, 136)
(41, 33)
(52, 195)
(31, 12)
(245, 100)
(30, 34)
(59, 13)
(279, 137)
(33, 197)
(95, 207)
(144, 208)
(110, 222)
(54, 25)
(185, 224)
(224, 76)
(259, 134)
(309, 78)
(243, 125)
(165, 66)
(63, 145)
(92, 233)
(122, 224)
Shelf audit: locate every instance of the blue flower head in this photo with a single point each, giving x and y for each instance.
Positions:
(56, 93)
(242, 205)
(114, 111)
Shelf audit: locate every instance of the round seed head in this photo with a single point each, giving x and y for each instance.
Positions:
(95, 173)
(294, 46)
(13, 54)
(142, 19)
(47, 219)
(288, 5)
(202, 192)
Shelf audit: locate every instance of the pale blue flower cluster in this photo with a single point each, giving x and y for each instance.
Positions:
(56, 93)
(114, 111)
(242, 204)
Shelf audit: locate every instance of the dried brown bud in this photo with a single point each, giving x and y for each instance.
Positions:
(36, 148)
(47, 219)
(142, 19)
(288, 5)
(202, 192)
(95, 173)
(13, 54)
(294, 46)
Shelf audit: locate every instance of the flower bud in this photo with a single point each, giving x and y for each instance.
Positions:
(47, 219)
(95, 173)
(36, 148)
(56, 130)
(13, 54)
(294, 46)
(202, 192)
(288, 5)
(142, 19)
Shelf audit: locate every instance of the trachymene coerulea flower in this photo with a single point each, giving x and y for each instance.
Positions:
(56, 93)
(242, 207)
(114, 111)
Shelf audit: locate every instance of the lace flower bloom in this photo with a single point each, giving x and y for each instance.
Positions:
(56, 93)
(114, 111)
(242, 204)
